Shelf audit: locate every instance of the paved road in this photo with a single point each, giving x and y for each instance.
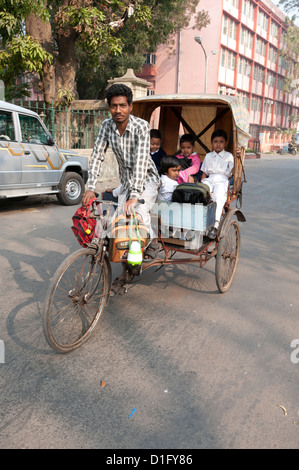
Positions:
(201, 369)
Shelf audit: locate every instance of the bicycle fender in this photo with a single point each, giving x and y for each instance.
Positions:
(227, 219)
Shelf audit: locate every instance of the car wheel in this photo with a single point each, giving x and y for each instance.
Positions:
(71, 189)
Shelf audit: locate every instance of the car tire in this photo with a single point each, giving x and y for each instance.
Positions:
(71, 189)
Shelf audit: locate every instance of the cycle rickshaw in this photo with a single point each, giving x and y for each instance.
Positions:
(80, 288)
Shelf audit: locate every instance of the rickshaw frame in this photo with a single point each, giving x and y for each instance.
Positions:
(227, 113)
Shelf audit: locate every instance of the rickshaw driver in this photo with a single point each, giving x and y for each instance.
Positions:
(129, 138)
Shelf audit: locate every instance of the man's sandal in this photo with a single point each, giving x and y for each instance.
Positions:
(152, 252)
(120, 286)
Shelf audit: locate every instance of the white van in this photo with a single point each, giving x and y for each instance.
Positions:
(32, 164)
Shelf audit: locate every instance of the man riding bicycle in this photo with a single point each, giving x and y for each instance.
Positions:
(129, 138)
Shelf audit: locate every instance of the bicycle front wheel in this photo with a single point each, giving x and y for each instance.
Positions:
(76, 299)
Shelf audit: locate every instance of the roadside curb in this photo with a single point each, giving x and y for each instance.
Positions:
(249, 156)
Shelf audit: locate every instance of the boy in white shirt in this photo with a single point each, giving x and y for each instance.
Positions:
(217, 168)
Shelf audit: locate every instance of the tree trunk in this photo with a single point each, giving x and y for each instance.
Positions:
(41, 30)
(61, 74)
(65, 68)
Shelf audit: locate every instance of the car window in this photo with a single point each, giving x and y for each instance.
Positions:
(32, 131)
(7, 130)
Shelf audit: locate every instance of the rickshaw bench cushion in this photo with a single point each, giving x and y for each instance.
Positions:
(192, 193)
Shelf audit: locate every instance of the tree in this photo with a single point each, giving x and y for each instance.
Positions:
(19, 53)
(72, 36)
(290, 54)
(289, 5)
(166, 17)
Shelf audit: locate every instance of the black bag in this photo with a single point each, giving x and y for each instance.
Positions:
(192, 193)
(185, 163)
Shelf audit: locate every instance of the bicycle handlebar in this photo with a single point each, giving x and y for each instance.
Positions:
(112, 203)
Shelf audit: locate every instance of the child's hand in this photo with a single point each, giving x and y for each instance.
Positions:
(190, 179)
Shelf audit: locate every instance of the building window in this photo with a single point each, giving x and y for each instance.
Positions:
(274, 29)
(253, 105)
(228, 59)
(244, 67)
(282, 62)
(246, 38)
(270, 79)
(231, 60)
(233, 3)
(224, 26)
(258, 73)
(222, 61)
(229, 28)
(248, 9)
(261, 47)
(277, 108)
(280, 83)
(150, 59)
(262, 20)
(244, 97)
(232, 29)
(272, 55)
(268, 106)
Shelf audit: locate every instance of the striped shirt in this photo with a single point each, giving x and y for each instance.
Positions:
(132, 151)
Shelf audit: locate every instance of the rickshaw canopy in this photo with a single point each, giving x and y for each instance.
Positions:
(199, 115)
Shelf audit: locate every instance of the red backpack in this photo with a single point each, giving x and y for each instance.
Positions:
(84, 225)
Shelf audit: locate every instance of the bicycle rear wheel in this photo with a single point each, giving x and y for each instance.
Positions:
(227, 257)
(76, 299)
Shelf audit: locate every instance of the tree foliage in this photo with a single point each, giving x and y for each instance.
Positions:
(289, 5)
(19, 53)
(62, 40)
(290, 54)
(163, 19)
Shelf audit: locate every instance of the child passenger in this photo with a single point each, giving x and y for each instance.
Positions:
(169, 168)
(157, 153)
(190, 161)
(217, 168)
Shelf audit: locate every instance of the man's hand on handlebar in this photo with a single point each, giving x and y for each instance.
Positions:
(87, 196)
(130, 205)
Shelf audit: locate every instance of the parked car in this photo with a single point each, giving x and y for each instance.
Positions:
(30, 161)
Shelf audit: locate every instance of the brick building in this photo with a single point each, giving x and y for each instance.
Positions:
(238, 55)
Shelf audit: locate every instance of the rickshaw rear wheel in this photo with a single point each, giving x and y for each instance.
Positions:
(227, 256)
(76, 299)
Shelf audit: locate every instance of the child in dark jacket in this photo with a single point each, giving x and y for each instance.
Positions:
(157, 153)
